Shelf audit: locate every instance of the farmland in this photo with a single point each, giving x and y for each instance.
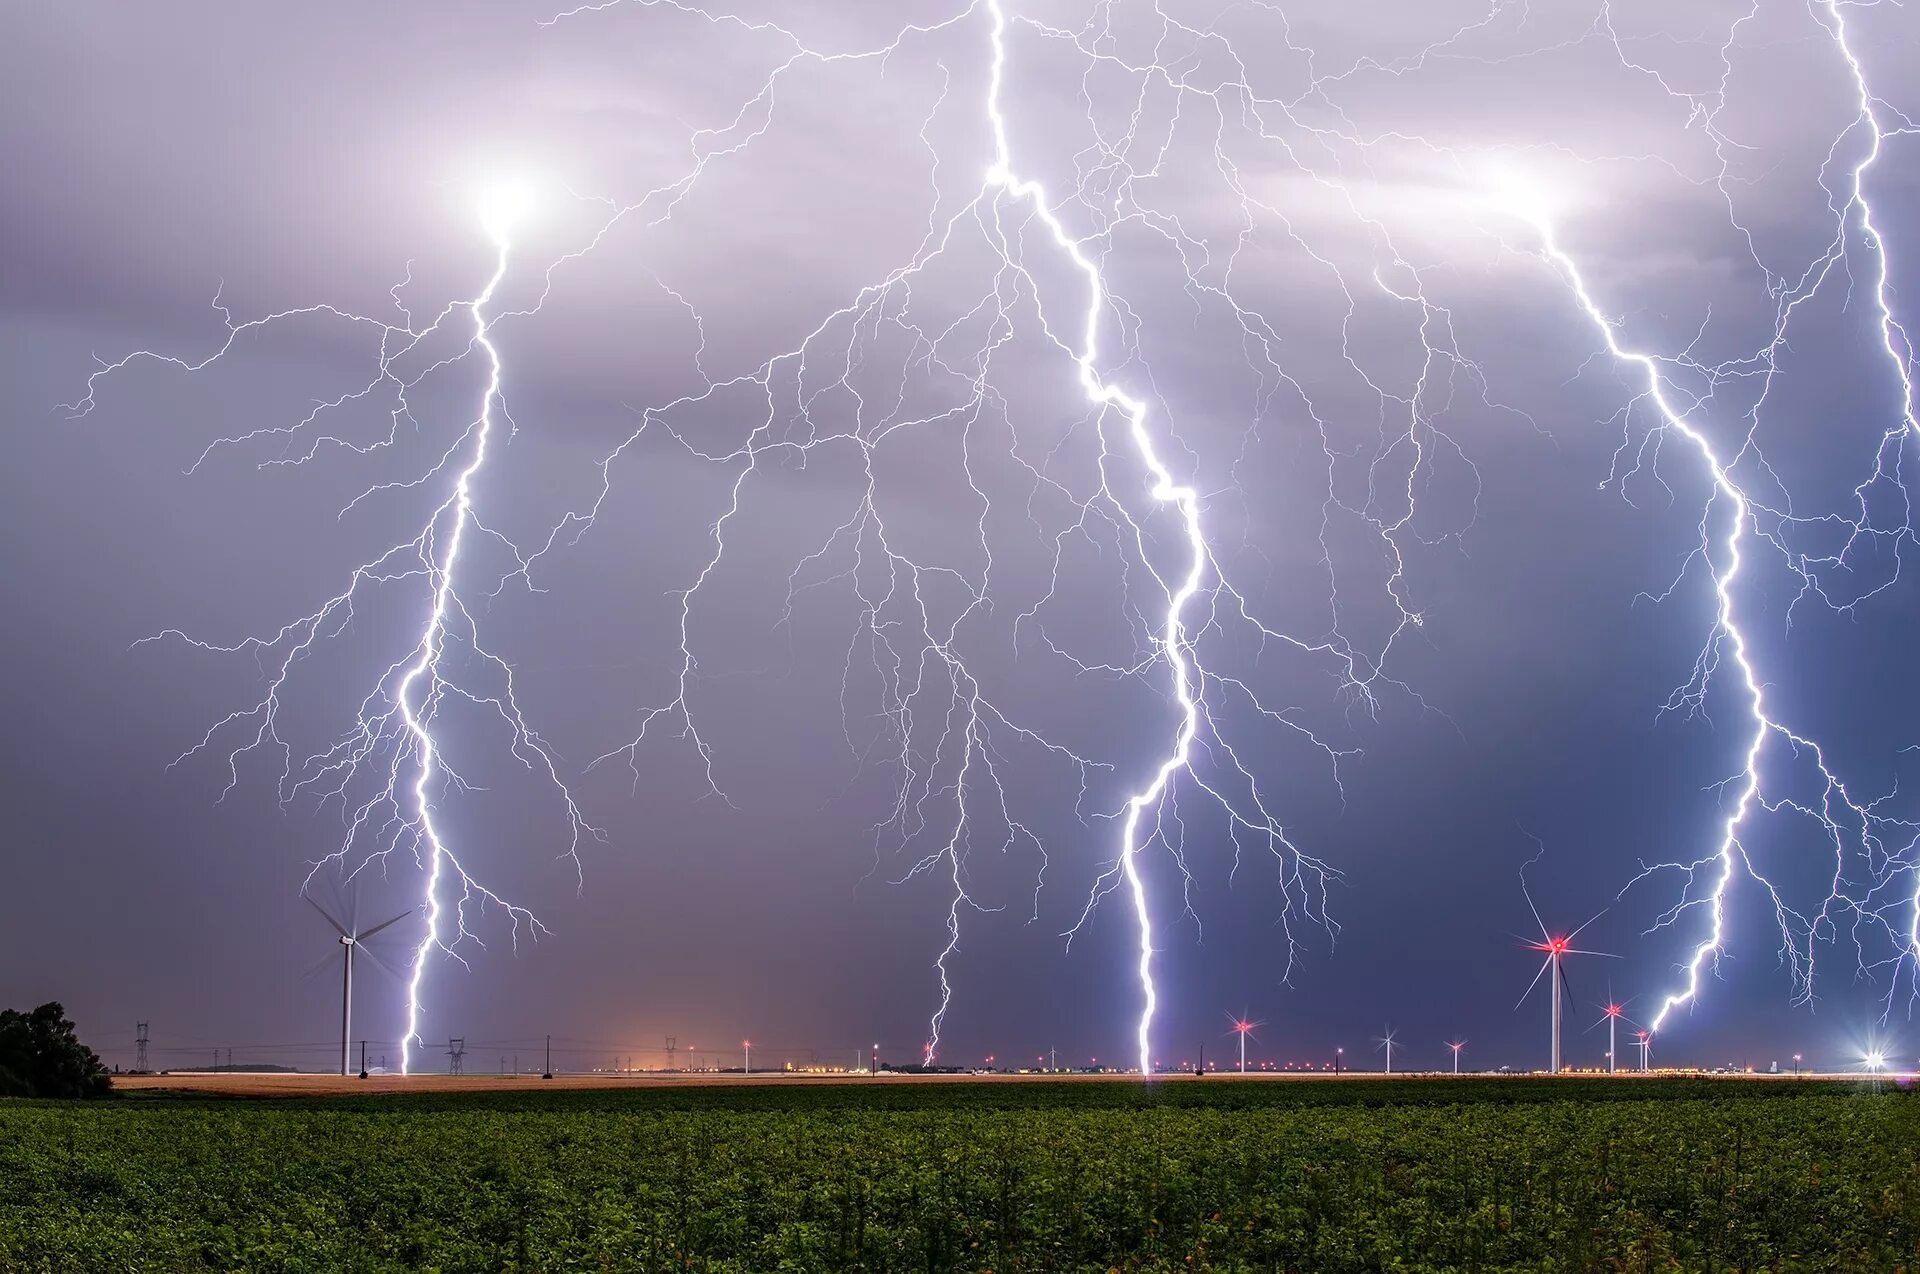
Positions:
(1472, 1174)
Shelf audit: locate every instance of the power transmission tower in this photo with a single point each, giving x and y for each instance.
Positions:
(673, 1046)
(140, 1047)
(456, 1051)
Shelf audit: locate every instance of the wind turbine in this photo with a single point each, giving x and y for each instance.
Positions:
(1386, 1041)
(1243, 1028)
(349, 940)
(1613, 1013)
(1556, 948)
(1456, 1046)
(1644, 1038)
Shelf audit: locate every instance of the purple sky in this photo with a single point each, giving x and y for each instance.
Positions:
(751, 241)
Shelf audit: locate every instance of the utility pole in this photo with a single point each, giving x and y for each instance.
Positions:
(673, 1047)
(548, 1073)
(140, 1047)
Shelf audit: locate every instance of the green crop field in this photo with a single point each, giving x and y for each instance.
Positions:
(1182, 1175)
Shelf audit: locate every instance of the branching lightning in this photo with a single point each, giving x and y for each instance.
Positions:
(1739, 522)
(917, 359)
(390, 771)
(950, 737)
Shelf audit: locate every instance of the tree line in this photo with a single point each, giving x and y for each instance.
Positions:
(42, 1056)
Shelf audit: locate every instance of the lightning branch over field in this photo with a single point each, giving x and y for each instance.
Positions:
(1750, 512)
(390, 771)
(1739, 520)
(1023, 251)
(949, 736)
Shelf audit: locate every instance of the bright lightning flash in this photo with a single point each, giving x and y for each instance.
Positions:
(1147, 501)
(1739, 522)
(390, 772)
(951, 741)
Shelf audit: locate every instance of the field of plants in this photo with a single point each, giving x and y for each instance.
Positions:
(1183, 1175)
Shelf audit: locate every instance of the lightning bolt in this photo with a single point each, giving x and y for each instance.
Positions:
(1855, 829)
(892, 368)
(1183, 498)
(389, 771)
(950, 737)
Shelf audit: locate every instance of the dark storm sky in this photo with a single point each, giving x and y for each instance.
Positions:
(289, 158)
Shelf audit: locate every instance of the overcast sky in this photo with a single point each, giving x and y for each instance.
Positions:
(1454, 602)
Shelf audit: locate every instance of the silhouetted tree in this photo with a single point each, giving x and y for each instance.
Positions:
(40, 1056)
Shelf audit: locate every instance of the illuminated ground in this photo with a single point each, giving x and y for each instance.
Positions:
(286, 1085)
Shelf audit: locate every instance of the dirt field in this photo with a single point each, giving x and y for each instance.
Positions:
(285, 1085)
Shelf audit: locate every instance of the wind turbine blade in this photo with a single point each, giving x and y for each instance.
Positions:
(1590, 919)
(383, 924)
(1528, 895)
(1607, 955)
(327, 916)
(366, 953)
(1544, 966)
(318, 966)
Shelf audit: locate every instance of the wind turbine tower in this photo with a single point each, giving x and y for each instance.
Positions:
(350, 940)
(1556, 948)
(1613, 1021)
(1456, 1046)
(1243, 1028)
(1386, 1041)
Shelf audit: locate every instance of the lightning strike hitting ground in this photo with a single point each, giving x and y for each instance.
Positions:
(920, 356)
(390, 771)
(959, 758)
(1856, 830)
